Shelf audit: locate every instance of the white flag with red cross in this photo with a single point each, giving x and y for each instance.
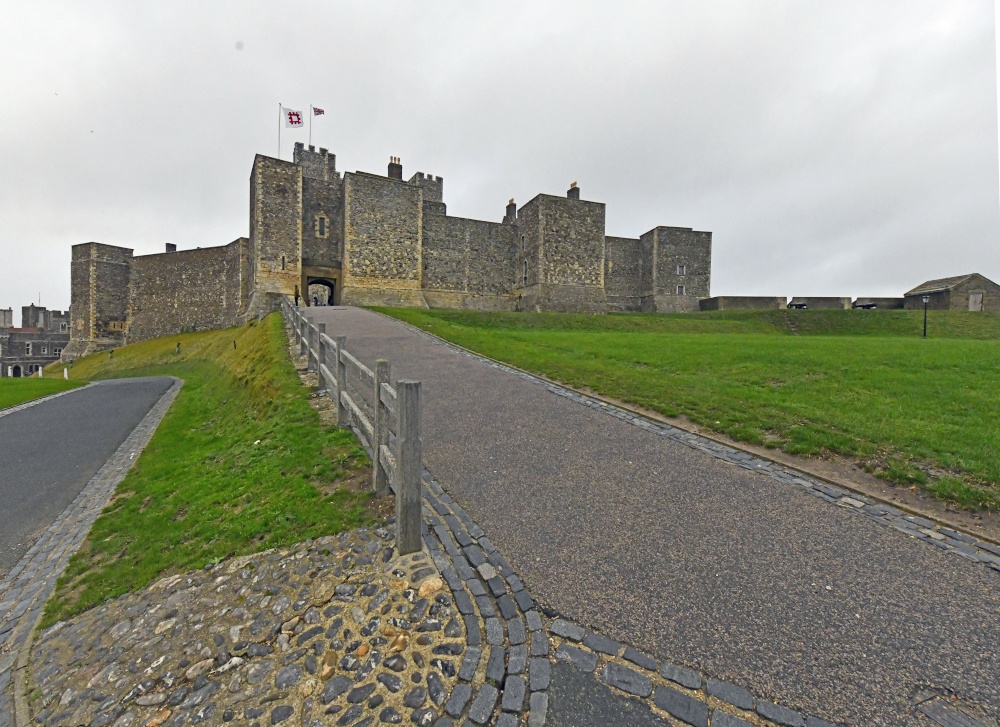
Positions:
(293, 119)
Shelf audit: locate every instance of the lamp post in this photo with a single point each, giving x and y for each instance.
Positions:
(926, 300)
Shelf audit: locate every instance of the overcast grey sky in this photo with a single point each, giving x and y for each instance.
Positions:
(832, 147)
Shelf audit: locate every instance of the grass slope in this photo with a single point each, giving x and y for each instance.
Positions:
(858, 383)
(18, 391)
(239, 464)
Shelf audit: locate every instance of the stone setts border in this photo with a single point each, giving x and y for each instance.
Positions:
(29, 584)
(504, 677)
(933, 533)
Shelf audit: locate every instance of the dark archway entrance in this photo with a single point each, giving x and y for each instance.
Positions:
(16, 372)
(321, 291)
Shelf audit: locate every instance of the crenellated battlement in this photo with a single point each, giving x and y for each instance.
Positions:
(316, 164)
(433, 186)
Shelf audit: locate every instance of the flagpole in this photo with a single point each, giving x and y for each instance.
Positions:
(279, 129)
(311, 114)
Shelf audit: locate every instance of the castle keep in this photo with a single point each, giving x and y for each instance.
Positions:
(368, 239)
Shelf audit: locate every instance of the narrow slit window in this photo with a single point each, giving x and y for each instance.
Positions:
(27, 349)
(524, 275)
(282, 262)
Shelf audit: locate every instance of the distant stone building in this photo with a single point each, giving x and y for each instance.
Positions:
(367, 239)
(40, 340)
(973, 292)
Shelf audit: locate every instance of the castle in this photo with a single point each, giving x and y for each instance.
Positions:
(367, 239)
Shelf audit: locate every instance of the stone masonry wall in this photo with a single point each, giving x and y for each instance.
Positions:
(322, 222)
(382, 241)
(275, 225)
(623, 269)
(959, 299)
(98, 298)
(674, 247)
(468, 263)
(188, 290)
(572, 241)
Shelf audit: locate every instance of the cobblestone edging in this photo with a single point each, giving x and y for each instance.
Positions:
(42, 400)
(933, 533)
(504, 676)
(517, 659)
(682, 693)
(29, 584)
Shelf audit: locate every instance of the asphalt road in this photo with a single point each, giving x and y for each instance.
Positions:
(52, 449)
(693, 559)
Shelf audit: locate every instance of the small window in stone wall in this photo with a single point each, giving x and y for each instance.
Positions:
(57, 351)
(524, 276)
(27, 349)
(682, 270)
(680, 290)
(282, 262)
(322, 226)
(522, 243)
(45, 350)
(62, 326)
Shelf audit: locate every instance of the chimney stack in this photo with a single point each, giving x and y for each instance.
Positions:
(511, 211)
(573, 192)
(171, 247)
(395, 169)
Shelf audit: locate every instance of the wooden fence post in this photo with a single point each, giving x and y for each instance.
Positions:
(321, 355)
(303, 336)
(408, 467)
(343, 416)
(380, 478)
(311, 347)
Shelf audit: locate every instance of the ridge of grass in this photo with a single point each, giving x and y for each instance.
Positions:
(913, 411)
(866, 323)
(239, 464)
(17, 391)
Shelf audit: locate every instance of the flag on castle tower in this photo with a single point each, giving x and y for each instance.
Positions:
(318, 112)
(293, 119)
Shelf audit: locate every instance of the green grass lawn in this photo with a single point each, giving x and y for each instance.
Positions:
(857, 383)
(18, 391)
(240, 463)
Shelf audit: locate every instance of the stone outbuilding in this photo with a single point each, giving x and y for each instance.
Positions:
(973, 292)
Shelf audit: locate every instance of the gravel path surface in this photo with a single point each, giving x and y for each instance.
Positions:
(52, 449)
(690, 558)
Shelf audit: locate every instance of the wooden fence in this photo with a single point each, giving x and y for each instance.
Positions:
(386, 419)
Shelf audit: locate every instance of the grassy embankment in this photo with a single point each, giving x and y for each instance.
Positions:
(856, 383)
(18, 391)
(239, 464)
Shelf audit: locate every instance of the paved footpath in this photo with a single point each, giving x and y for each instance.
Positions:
(707, 566)
(63, 457)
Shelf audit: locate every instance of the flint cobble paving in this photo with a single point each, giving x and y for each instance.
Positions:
(336, 627)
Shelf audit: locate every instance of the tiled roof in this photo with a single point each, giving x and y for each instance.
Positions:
(936, 286)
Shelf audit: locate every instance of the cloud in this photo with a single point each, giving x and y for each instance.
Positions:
(833, 148)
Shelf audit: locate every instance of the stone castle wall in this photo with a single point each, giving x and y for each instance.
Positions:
(383, 233)
(275, 225)
(468, 263)
(623, 275)
(380, 240)
(190, 290)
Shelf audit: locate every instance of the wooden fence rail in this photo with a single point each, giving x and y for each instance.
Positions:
(390, 432)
